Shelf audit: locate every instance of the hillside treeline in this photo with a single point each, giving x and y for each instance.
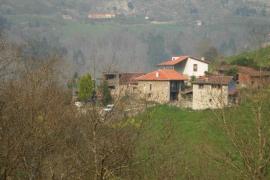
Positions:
(130, 42)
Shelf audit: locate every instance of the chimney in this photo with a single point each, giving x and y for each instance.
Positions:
(203, 58)
(157, 74)
(174, 58)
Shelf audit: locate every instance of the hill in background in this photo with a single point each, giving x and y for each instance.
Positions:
(210, 28)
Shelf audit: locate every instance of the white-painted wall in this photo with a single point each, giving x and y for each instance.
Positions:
(188, 69)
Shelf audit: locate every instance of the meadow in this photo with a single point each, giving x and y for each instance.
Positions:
(193, 144)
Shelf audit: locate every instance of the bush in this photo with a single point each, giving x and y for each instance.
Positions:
(245, 61)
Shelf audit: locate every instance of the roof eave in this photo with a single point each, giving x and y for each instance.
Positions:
(162, 80)
(208, 83)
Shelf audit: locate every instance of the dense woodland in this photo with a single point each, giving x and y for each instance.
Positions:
(130, 42)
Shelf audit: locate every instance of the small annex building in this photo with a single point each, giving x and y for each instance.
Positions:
(213, 92)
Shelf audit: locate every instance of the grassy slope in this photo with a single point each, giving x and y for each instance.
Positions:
(190, 132)
(177, 138)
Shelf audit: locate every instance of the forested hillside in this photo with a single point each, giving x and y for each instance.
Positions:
(170, 9)
(210, 28)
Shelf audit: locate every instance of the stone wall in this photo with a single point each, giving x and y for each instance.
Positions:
(209, 97)
(158, 91)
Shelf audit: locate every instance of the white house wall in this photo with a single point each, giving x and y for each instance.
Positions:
(188, 69)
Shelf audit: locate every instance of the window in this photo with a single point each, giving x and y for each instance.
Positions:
(169, 67)
(195, 67)
(110, 76)
(150, 87)
(112, 87)
(201, 86)
(210, 100)
(216, 86)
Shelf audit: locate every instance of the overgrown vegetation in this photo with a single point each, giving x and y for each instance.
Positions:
(44, 136)
(106, 94)
(257, 58)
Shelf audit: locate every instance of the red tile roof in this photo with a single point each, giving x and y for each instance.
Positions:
(162, 75)
(178, 60)
(173, 62)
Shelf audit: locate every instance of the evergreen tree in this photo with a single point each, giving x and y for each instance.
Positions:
(86, 87)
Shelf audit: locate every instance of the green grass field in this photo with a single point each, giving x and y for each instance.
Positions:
(176, 136)
(189, 142)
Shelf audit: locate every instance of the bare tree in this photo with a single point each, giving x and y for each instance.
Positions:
(9, 59)
(246, 126)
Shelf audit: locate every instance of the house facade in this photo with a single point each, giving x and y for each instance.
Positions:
(213, 92)
(189, 66)
(121, 83)
(162, 86)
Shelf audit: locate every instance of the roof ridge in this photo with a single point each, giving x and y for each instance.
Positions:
(164, 74)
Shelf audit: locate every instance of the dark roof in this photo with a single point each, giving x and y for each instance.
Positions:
(163, 75)
(222, 80)
(129, 78)
(245, 70)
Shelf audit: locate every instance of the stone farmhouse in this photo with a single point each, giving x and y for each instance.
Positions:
(247, 77)
(121, 83)
(213, 92)
(189, 66)
(171, 84)
(162, 86)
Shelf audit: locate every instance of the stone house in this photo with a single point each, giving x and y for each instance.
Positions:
(213, 92)
(247, 76)
(162, 86)
(189, 66)
(101, 16)
(121, 83)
